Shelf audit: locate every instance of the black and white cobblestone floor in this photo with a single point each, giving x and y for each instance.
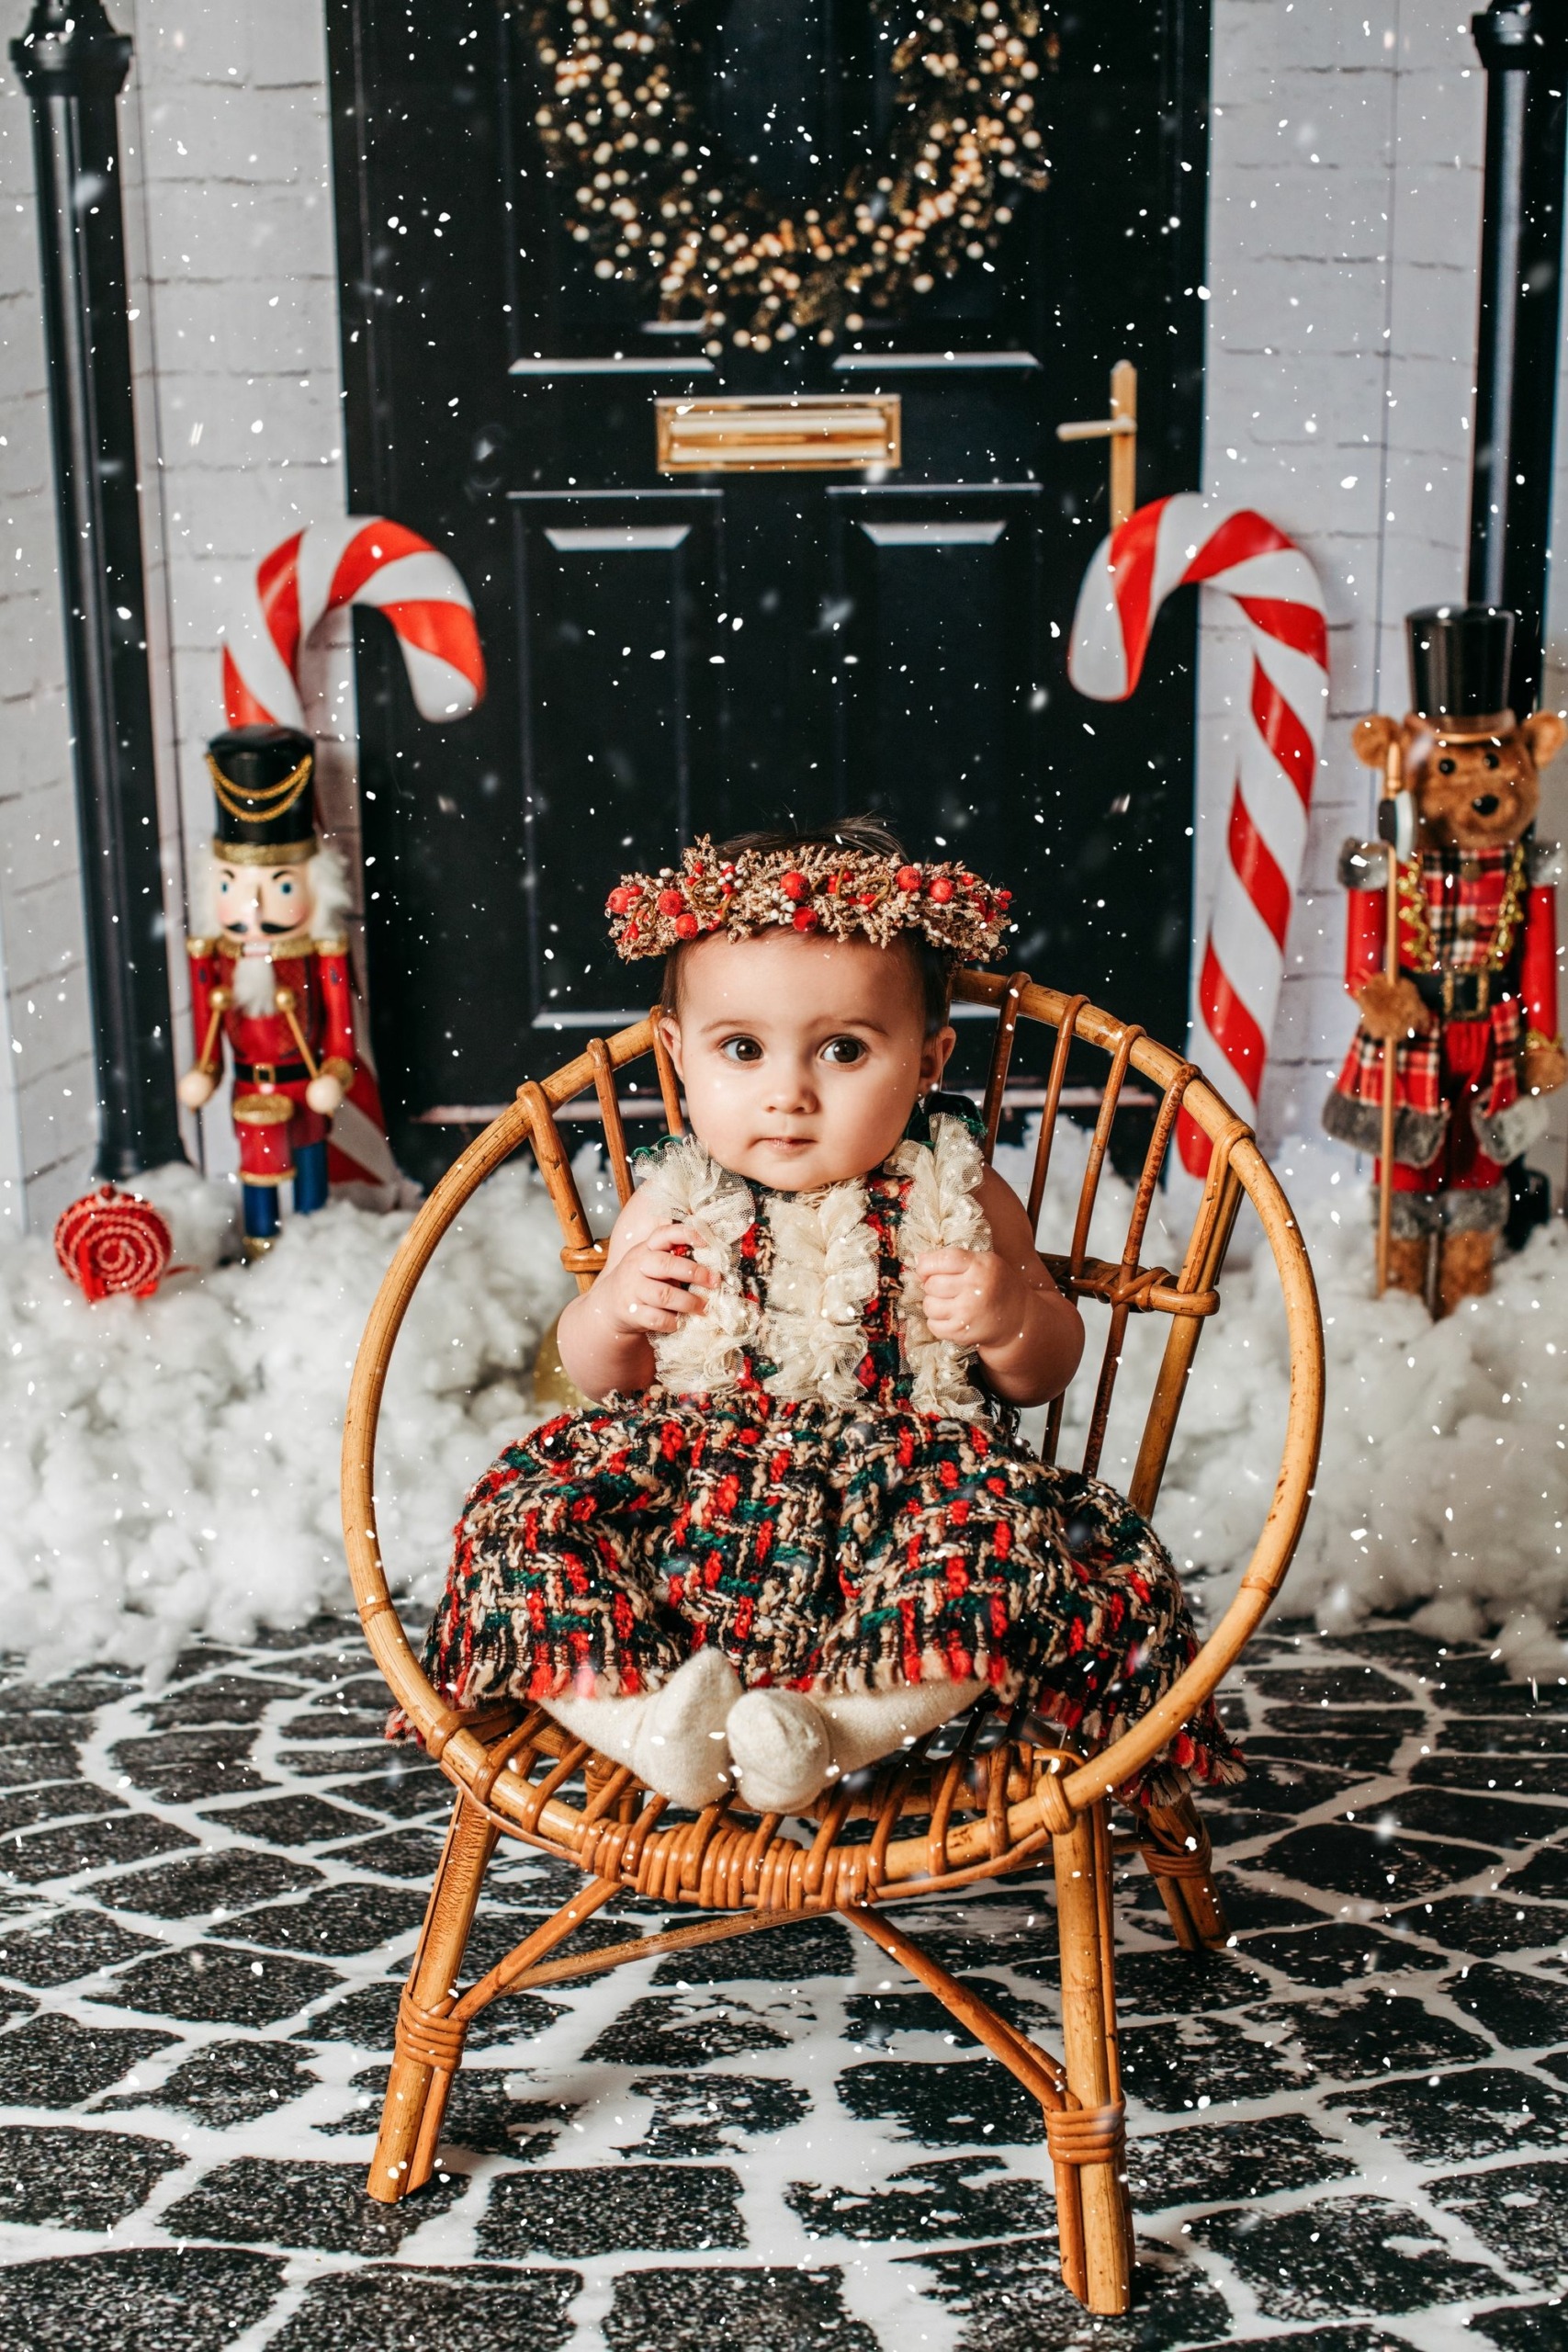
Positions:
(1351, 2129)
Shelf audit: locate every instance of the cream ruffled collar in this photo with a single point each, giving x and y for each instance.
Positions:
(823, 1274)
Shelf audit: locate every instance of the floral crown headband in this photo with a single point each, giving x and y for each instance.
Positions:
(838, 890)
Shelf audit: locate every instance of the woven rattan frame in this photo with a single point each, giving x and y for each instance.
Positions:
(926, 1825)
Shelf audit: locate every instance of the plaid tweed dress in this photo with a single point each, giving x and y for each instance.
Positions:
(814, 1486)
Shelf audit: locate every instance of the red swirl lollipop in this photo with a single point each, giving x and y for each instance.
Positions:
(110, 1240)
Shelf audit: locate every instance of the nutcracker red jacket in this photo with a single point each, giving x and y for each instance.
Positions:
(317, 973)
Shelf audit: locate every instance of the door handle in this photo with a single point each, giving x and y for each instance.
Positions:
(1121, 429)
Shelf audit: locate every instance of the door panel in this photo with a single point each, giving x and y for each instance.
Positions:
(670, 654)
(940, 655)
(615, 598)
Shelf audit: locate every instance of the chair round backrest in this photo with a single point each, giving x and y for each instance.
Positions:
(1188, 1295)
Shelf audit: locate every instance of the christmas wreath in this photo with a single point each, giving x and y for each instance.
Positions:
(653, 200)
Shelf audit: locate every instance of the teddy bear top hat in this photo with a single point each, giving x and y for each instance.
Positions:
(1458, 666)
(264, 783)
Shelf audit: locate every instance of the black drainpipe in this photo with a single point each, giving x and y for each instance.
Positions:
(71, 64)
(1524, 48)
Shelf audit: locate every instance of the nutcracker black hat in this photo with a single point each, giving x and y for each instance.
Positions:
(263, 779)
(1459, 662)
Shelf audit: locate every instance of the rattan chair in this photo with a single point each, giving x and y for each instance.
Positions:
(925, 1826)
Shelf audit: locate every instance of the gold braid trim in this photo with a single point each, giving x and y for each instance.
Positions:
(1417, 915)
(271, 800)
(267, 853)
(1508, 914)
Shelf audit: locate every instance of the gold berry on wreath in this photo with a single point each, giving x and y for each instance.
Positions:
(653, 202)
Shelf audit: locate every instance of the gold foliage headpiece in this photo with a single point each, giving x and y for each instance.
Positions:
(840, 891)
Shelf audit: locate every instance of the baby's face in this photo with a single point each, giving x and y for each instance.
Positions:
(802, 1056)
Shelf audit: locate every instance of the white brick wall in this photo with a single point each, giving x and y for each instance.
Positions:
(241, 394)
(1345, 208)
(224, 141)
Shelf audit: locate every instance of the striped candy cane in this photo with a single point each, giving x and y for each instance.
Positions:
(360, 560)
(359, 1157)
(1274, 586)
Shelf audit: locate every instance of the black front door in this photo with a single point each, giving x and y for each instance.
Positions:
(718, 648)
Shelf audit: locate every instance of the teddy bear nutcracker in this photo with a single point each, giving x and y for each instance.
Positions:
(271, 974)
(1451, 956)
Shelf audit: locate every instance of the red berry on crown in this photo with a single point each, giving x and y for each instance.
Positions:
(669, 903)
(942, 888)
(806, 919)
(687, 926)
(794, 886)
(907, 877)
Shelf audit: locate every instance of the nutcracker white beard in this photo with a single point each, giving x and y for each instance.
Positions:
(255, 990)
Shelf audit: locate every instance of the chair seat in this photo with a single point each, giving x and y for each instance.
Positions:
(911, 1821)
(930, 1820)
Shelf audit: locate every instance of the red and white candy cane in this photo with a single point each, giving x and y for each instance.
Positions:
(1272, 583)
(359, 560)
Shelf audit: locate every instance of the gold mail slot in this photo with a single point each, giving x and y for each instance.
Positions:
(825, 433)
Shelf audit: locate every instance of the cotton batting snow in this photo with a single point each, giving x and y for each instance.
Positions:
(170, 1466)
(1442, 1490)
(1444, 1475)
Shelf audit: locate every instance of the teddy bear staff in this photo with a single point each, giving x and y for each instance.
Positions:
(1471, 1014)
(270, 972)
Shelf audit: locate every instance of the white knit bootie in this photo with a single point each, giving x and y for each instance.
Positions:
(674, 1739)
(781, 1749)
(867, 1725)
(787, 1747)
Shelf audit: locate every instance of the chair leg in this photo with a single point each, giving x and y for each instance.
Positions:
(1176, 1849)
(1090, 2139)
(424, 2058)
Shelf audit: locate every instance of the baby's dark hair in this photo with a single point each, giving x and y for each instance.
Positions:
(933, 966)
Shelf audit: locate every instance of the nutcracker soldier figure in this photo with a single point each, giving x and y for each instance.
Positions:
(1468, 1010)
(271, 973)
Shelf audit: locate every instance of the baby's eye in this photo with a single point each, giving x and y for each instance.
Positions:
(844, 1051)
(741, 1049)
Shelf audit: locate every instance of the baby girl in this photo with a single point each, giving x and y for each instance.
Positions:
(799, 1531)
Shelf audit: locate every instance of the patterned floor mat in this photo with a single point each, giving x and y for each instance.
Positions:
(1353, 2127)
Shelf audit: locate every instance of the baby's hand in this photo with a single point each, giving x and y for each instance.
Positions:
(971, 1296)
(654, 1285)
